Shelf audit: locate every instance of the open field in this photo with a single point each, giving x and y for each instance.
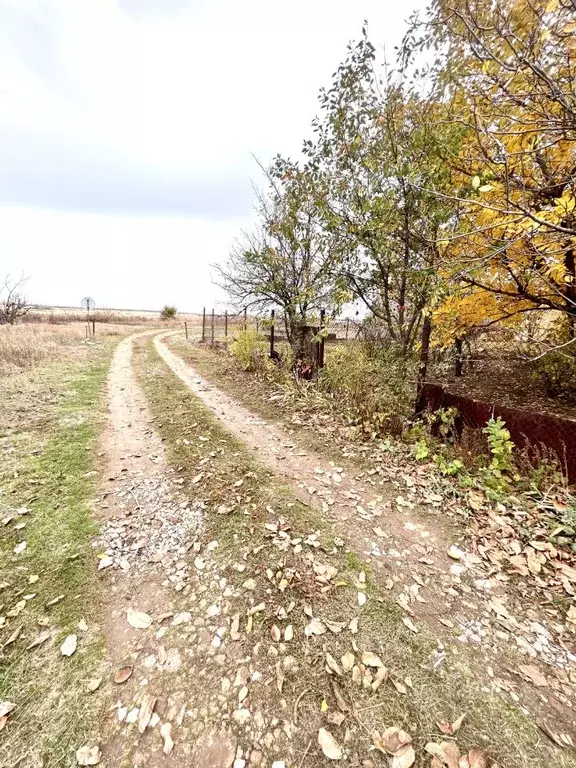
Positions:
(57, 315)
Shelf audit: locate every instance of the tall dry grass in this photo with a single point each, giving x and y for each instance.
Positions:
(27, 345)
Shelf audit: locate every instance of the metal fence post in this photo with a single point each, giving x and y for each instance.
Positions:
(93, 328)
(272, 314)
(203, 324)
(245, 318)
(225, 323)
(212, 331)
(186, 329)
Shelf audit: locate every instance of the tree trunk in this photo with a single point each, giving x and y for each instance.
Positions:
(570, 293)
(423, 364)
(459, 361)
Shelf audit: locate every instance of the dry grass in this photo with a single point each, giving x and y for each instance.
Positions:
(28, 345)
(63, 315)
(49, 420)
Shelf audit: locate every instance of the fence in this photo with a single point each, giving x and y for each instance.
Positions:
(529, 430)
(214, 327)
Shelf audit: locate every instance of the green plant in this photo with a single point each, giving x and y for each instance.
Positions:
(501, 446)
(556, 373)
(448, 467)
(169, 312)
(421, 450)
(364, 380)
(250, 351)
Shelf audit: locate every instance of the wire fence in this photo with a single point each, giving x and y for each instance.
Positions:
(538, 435)
(224, 326)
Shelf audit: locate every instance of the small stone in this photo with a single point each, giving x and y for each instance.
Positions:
(241, 716)
(256, 758)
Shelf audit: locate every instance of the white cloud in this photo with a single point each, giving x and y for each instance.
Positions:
(153, 107)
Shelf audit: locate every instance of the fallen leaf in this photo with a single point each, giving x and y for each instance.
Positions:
(370, 659)
(288, 633)
(314, 627)
(476, 758)
(166, 733)
(455, 553)
(6, 707)
(123, 674)
(20, 547)
(88, 756)
(335, 626)
(329, 745)
(533, 674)
(336, 718)
(392, 740)
(93, 685)
(400, 687)
(275, 633)
(55, 601)
(162, 655)
(563, 740)
(447, 752)
(380, 677)
(234, 627)
(450, 728)
(280, 676)
(39, 639)
(333, 665)
(13, 637)
(353, 626)
(348, 661)
(361, 598)
(69, 645)
(339, 696)
(138, 619)
(410, 624)
(146, 710)
(404, 758)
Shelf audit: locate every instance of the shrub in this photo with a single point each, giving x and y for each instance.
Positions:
(501, 446)
(251, 352)
(556, 373)
(370, 386)
(168, 312)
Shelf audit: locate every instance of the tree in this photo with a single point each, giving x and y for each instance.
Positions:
(13, 303)
(168, 312)
(507, 73)
(288, 261)
(373, 151)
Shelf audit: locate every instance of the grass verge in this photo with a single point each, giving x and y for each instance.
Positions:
(49, 470)
(250, 513)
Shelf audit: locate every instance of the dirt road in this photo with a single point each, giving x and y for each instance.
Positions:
(453, 596)
(196, 662)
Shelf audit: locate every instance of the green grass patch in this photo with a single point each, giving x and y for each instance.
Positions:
(52, 469)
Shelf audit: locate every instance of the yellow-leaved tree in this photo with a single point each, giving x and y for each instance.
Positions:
(507, 72)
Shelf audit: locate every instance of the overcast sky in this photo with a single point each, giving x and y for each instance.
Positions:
(127, 129)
